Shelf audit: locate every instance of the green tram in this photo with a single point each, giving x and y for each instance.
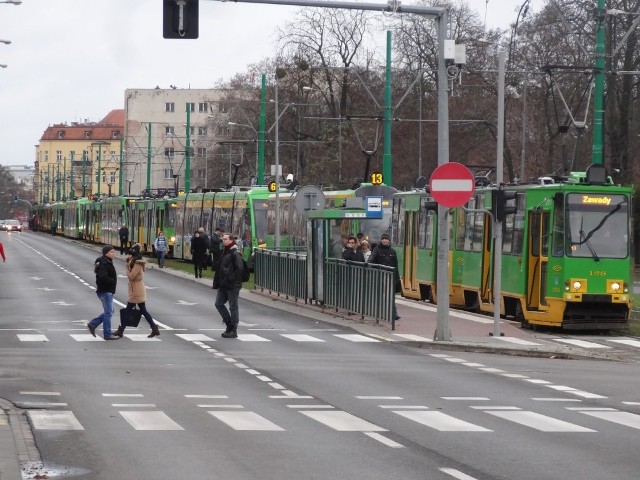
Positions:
(250, 214)
(566, 252)
(146, 217)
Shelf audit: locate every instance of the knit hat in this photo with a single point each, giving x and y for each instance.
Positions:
(137, 248)
(106, 249)
(385, 235)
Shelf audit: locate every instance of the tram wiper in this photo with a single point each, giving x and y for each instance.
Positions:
(588, 244)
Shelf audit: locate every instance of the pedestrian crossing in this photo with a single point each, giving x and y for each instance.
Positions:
(301, 336)
(140, 415)
(319, 336)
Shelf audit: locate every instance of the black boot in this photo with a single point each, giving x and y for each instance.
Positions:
(231, 332)
(155, 332)
(119, 332)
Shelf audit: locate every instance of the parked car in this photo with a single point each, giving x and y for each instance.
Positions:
(12, 226)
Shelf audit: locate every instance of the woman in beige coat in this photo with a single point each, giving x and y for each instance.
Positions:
(137, 292)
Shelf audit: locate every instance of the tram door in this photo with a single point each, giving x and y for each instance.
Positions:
(537, 259)
(410, 249)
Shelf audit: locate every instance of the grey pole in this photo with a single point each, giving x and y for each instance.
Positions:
(497, 248)
(442, 316)
(524, 128)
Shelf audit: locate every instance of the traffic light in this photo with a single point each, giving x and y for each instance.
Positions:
(180, 18)
(500, 199)
(15, 199)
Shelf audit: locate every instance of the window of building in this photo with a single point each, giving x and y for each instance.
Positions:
(72, 155)
(203, 107)
(169, 152)
(61, 134)
(222, 107)
(168, 173)
(87, 134)
(169, 107)
(58, 155)
(168, 130)
(202, 152)
(115, 134)
(201, 173)
(112, 177)
(202, 131)
(223, 131)
(46, 156)
(191, 106)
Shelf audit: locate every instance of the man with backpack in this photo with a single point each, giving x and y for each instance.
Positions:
(228, 281)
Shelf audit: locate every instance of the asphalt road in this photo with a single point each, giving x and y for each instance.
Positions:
(292, 398)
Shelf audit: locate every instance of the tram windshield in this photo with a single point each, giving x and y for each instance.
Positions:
(597, 225)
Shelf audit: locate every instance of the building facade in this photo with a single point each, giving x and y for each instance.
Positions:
(23, 175)
(79, 159)
(157, 132)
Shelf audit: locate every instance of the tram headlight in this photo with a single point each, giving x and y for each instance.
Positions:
(576, 285)
(616, 286)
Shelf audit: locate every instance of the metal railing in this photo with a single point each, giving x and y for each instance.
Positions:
(358, 288)
(361, 288)
(284, 273)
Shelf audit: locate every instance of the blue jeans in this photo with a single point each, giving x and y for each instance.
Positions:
(106, 298)
(161, 255)
(229, 317)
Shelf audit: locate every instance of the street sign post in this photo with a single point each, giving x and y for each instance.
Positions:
(452, 184)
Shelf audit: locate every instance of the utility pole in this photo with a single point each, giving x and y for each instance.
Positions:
(187, 165)
(148, 158)
(598, 99)
(388, 111)
(261, 133)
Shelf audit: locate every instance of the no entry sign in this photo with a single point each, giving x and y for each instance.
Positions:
(452, 184)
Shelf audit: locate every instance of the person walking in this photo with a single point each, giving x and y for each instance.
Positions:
(353, 253)
(198, 253)
(207, 254)
(384, 254)
(106, 280)
(123, 233)
(228, 281)
(137, 293)
(54, 227)
(160, 245)
(4, 259)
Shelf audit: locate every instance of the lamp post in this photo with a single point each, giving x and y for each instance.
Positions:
(277, 155)
(187, 164)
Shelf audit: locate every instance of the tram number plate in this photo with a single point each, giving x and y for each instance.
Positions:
(356, 215)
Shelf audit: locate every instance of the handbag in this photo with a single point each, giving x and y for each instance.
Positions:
(130, 318)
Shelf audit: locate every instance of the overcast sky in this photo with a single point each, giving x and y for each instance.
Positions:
(71, 60)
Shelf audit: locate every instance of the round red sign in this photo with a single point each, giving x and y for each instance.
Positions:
(452, 184)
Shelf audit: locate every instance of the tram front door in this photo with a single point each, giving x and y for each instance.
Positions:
(537, 259)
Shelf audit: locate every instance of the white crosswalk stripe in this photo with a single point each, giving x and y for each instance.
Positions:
(354, 337)
(30, 337)
(54, 420)
(581, 343)
(342, 421)
(150, 420)
(246, 421)
(301, 337)
(626, 341)
(440, 421)
(538, 421)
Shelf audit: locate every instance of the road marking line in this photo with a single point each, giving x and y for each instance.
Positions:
(384, 440)
(632, 343)
(465, 398)
(250, 337)
(378, 397)
(245, 421)
(129, 395)
(301, 337)
(42, 404)
(206, 396)
(343, 421)
(354, 337)
(219, 406)
(473, 364)
(493, 407)
(141, 337)
(457, 474)
(190, 337)
(539, 422)
(155, 420)
(264, 378)
(40, 393)
(557, 399)
(27, 337)
(310, 406)
(405, 407)
(581, 343)
(492, 370)
(455, 360)
(518, 341)
(85, 337)
(537, 380)
(441, 421)
(621, 418)
(46, 420)
(132, 405)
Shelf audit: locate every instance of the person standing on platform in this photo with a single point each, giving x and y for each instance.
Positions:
(198, 253)
(384, 254)
(352, 253)
(123, 233)
(106, 280)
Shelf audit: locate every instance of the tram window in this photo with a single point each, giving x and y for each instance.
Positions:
(460, 229)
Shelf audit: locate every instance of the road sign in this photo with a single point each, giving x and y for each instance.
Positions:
(452, 184)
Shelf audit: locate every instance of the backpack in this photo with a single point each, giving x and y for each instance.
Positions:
(245, 274)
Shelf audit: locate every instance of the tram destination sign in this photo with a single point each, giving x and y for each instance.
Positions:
(452, 185)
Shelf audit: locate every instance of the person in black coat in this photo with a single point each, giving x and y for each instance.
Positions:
(198, 253)
(353, 253)
(123, 234)
(228, 281)
(106, 281)
(384, 254)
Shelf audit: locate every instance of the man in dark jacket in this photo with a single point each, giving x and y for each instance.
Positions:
(384, 254)
(123, 233)
(106, 279)
(228, 281)
(353, 253)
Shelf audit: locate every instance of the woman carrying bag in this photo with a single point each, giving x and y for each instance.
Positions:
(137, 292)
